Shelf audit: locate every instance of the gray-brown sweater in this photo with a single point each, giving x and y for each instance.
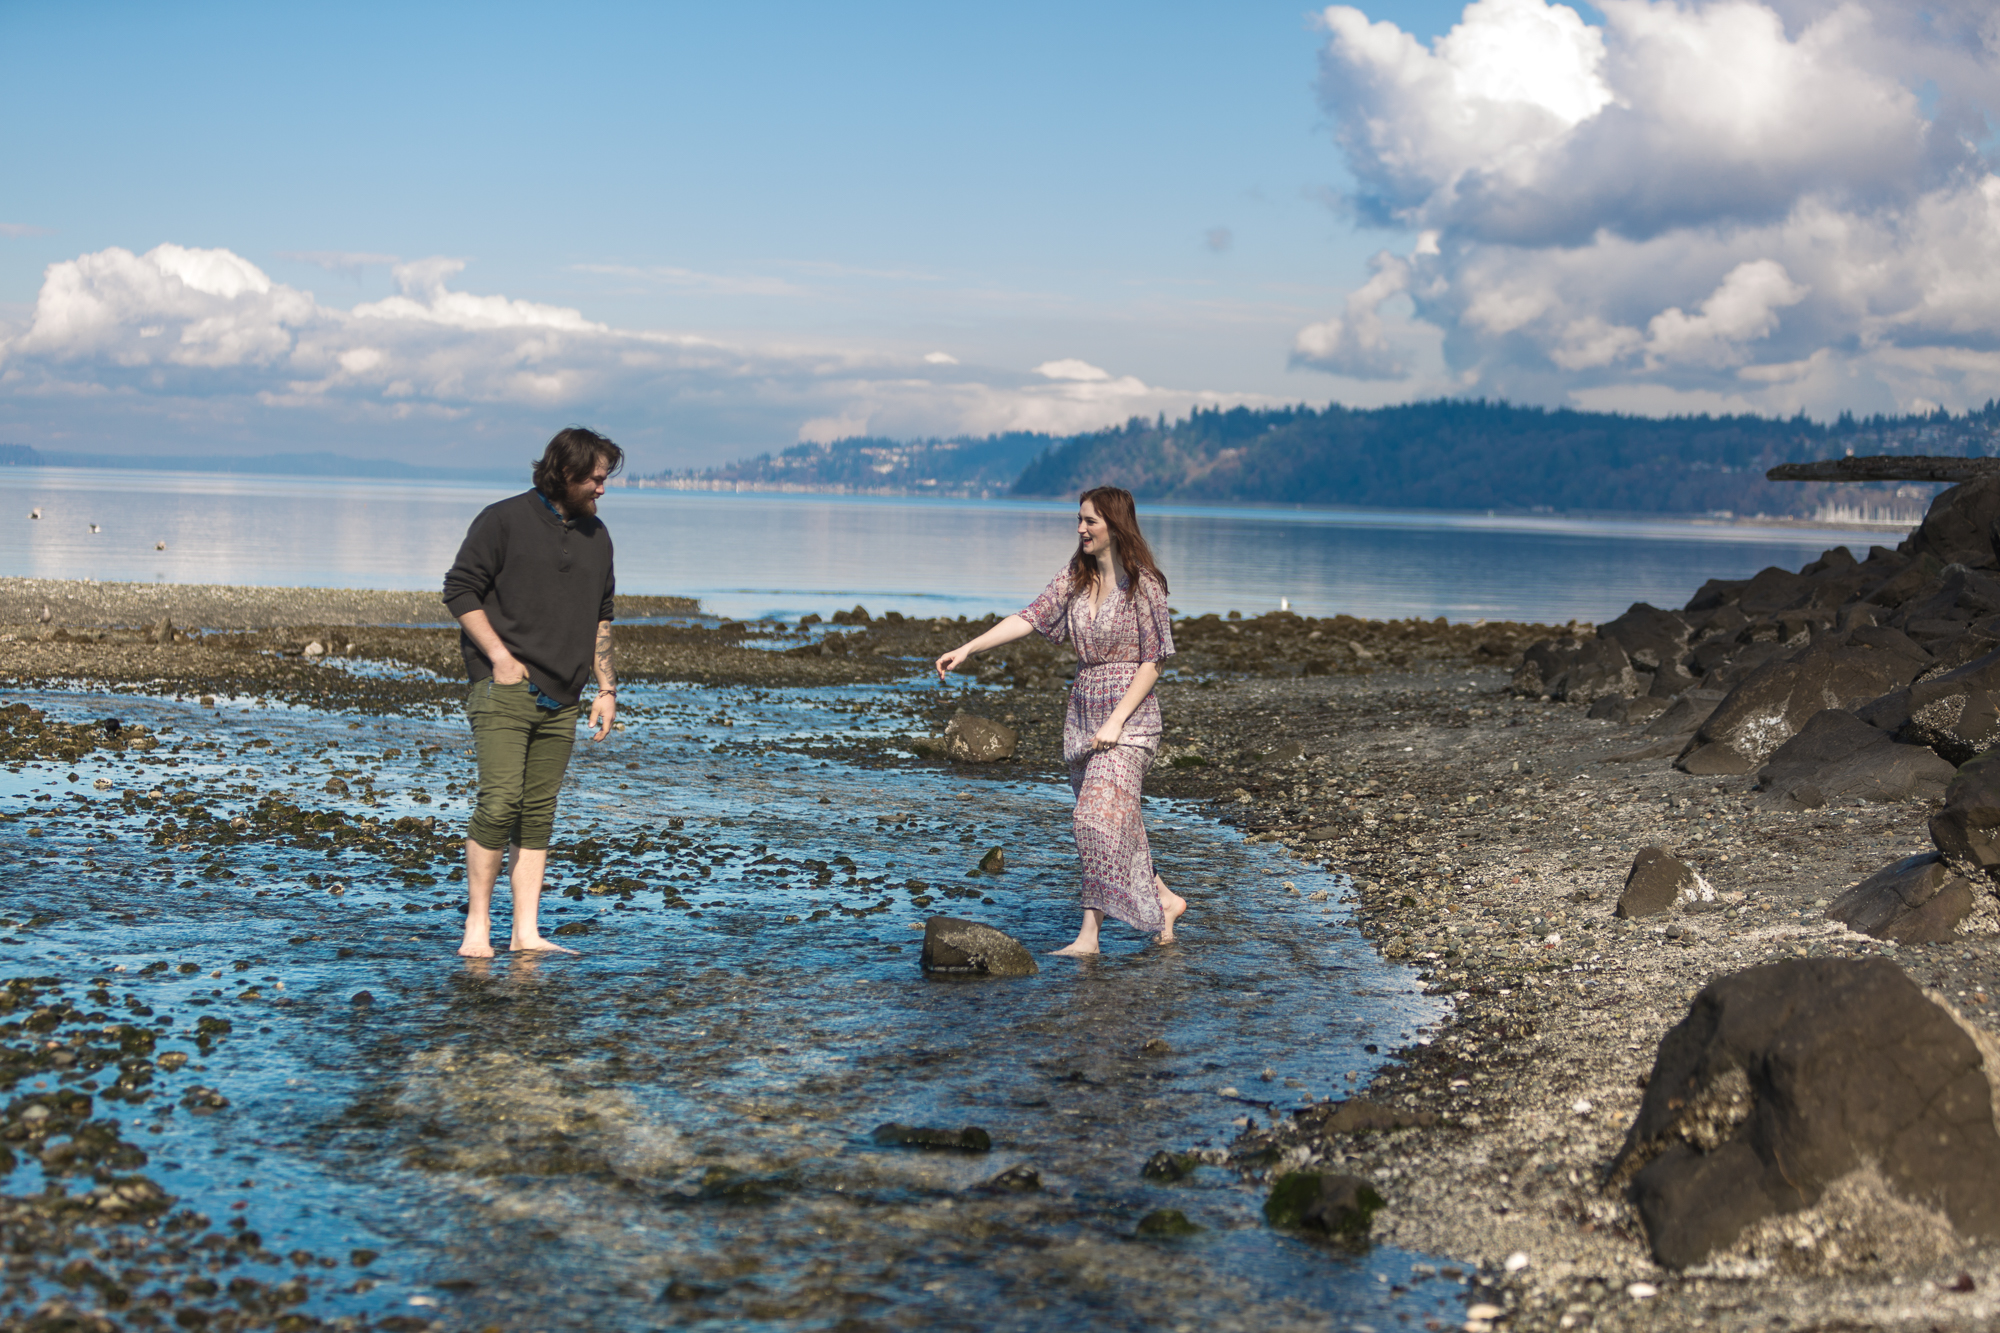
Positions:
(543, 581)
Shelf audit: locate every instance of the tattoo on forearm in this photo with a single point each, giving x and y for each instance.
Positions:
(606, 680)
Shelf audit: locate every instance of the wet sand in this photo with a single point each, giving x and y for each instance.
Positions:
(1488, 837)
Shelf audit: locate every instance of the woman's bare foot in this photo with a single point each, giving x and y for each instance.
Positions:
(1172, 906)
(478, 938)
(1085, 943)
(537, 944)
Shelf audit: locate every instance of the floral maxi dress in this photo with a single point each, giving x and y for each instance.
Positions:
(1110, 837)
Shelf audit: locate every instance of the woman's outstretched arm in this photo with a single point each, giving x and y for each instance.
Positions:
(1008, 630)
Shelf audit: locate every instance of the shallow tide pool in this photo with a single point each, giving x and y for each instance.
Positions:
(674, 1125)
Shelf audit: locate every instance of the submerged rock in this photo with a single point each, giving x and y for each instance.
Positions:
(1333, 1204)
(1168, 1222)
(970, 1139)
(1014, 1180)
(1658, 882)
(1788, 1078)
(957, 948)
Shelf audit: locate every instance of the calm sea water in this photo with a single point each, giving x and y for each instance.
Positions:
(785, 555)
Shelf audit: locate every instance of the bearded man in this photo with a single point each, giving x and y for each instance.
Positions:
(531, 590)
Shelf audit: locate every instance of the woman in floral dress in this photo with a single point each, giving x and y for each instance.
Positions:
(1111, 602)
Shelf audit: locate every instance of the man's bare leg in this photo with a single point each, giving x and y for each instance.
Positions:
(1086, 938)
(482, 869)
(529, 866)
(1172, 906)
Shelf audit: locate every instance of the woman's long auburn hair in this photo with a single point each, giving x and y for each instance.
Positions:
(1114, 506)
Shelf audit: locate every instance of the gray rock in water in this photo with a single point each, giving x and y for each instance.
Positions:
(978, 740)
(1658, 882)
(1330, 1203)
(958, 948)
(1838, 759)
(1967, 830)
(1014, 1180)
(1785, 1078)
(970, 1139)
(1917, 900)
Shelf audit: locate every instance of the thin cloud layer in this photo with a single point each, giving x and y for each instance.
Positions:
(176, 330)
(1728, 198)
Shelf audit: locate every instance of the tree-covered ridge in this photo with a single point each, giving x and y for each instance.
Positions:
(1455, 454)
(1444, 454)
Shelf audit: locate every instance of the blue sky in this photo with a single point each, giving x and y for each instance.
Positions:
(763, 220)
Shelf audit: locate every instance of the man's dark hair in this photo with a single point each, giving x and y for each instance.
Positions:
(571, 456)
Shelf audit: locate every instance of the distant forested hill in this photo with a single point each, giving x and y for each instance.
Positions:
(1448, 454)
(1480, 455)
(984, 466)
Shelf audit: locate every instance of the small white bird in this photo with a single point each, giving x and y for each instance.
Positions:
(35, 512)
(1284, 603)
(159, 546)
(93, 527)
(47, 615)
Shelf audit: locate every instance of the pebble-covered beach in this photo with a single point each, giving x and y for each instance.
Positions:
(1487, 834)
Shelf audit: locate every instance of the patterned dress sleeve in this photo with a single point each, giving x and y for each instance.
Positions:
(1156, 631)
(1049, 613)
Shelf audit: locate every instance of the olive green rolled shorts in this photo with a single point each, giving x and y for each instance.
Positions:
(523, 749)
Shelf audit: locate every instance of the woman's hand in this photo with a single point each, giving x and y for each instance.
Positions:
(952, 660)
(1108, 735)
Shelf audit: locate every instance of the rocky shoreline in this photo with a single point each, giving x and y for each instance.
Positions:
(1488, 830)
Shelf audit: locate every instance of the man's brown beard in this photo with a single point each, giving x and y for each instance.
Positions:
(580, 502)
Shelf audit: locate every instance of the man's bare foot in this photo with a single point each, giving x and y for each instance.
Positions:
(1172, 905)
(478, 939)
(1077, 950)
(536, 944)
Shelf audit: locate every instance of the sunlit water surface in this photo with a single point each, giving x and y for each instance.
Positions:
(674, 1126)
(752, 555)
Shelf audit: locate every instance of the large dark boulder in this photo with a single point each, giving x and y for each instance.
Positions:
(1967, 830)
(1917, 900)
(1773, 702)
(1961, 596)
(1772, 589)
(1961, 525)
(1785, 1078)
(1957, 712)
(958, 948)
(1837, 759)
(1651, 638)
(1579, 670)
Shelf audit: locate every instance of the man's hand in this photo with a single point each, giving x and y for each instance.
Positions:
(603, 711)
(507, 669)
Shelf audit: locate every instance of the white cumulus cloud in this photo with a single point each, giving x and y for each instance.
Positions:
(181, 335)
(1785, 201)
